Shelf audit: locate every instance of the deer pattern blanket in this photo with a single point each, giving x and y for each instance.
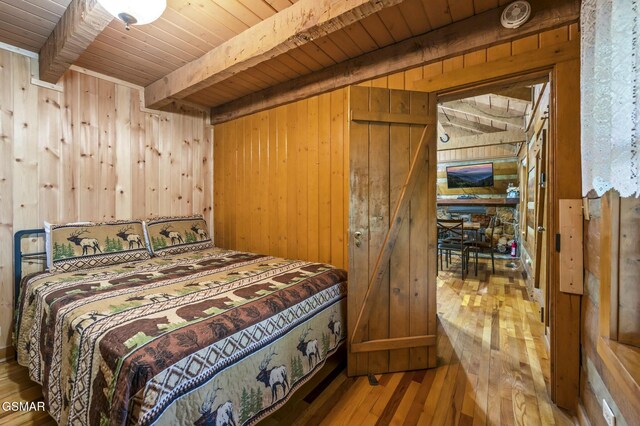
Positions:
(207, 338)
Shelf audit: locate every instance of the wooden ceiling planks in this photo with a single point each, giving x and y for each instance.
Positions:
(461, 9)
(27, 24)
(438, 12)
(19, 37)
(186, 31)
(190, 28)
(415, 16)
(277, 35)
(396, 24)
(480, 6)
(378, 30)
(482, 121)
(45, 10)
(453, 41)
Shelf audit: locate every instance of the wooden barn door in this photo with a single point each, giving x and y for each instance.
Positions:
(392, 276)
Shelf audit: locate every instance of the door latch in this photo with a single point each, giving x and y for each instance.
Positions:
(356, 236)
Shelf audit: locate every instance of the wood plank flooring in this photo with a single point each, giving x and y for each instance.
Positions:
(493, 369)
(493, 366)
(15, 386)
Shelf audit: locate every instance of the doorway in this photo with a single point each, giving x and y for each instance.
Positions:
(492, 177)
(491, 151)
(562, 70)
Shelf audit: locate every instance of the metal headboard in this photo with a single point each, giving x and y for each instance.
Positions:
(19, 257)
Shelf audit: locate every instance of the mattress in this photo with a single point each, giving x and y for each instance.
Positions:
(209, 337)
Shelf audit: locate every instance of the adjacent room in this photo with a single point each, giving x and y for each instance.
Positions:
(485, 235)
(319, 212)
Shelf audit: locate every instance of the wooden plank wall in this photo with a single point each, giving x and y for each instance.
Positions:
(91, 153)
(281, 184)
(598, 381)
(260, 163)
(477, 153)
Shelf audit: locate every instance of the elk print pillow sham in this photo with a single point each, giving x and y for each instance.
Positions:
(87, 245)
(173, 235)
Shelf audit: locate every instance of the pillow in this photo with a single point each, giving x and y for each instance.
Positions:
(47, 240)
(87, 245)
(172, 235)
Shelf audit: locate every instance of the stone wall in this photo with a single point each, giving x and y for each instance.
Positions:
(507, 222)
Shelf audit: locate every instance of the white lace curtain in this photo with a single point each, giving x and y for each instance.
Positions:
(610, 93)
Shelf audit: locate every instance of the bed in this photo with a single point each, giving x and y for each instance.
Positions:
(209, 337)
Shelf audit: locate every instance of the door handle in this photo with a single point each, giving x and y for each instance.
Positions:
(541, 229)
(356, 236)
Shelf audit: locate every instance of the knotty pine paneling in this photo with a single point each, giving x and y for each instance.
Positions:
(281, 182)
(90, 153)
(282, 177)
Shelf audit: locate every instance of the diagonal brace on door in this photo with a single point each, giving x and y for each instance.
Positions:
(418, 164)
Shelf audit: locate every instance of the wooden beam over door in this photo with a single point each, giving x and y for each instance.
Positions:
(477, 32)
(488, 139)
(301, 23)
(80, 24)
(544, 57)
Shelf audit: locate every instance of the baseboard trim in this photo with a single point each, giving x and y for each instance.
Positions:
(7, 354)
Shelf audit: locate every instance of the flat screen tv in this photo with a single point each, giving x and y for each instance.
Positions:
(470, 176)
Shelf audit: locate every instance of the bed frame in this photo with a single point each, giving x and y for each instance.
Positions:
(19, 257)
(309, 391)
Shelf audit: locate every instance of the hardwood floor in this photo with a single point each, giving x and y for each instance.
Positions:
(15, 386)
(493, 369)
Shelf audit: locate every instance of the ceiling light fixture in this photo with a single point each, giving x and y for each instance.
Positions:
(138, 12)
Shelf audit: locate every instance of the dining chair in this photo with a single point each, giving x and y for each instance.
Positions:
(451, 238)
(478, 246)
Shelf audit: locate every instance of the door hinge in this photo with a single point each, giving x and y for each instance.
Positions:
(558, 243)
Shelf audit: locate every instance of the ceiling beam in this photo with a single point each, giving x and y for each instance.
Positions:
(520, 93)
(288, 29)
(486, 139)
(474, 126)
(477, 32)
(485, 113)
(80, 24)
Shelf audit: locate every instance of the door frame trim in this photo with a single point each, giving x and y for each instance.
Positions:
(560, 64)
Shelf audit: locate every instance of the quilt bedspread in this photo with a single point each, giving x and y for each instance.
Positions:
(162, 340)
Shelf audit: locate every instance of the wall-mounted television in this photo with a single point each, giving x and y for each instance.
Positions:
(470, 176)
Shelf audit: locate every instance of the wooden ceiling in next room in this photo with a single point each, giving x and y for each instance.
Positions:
(227, 54)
